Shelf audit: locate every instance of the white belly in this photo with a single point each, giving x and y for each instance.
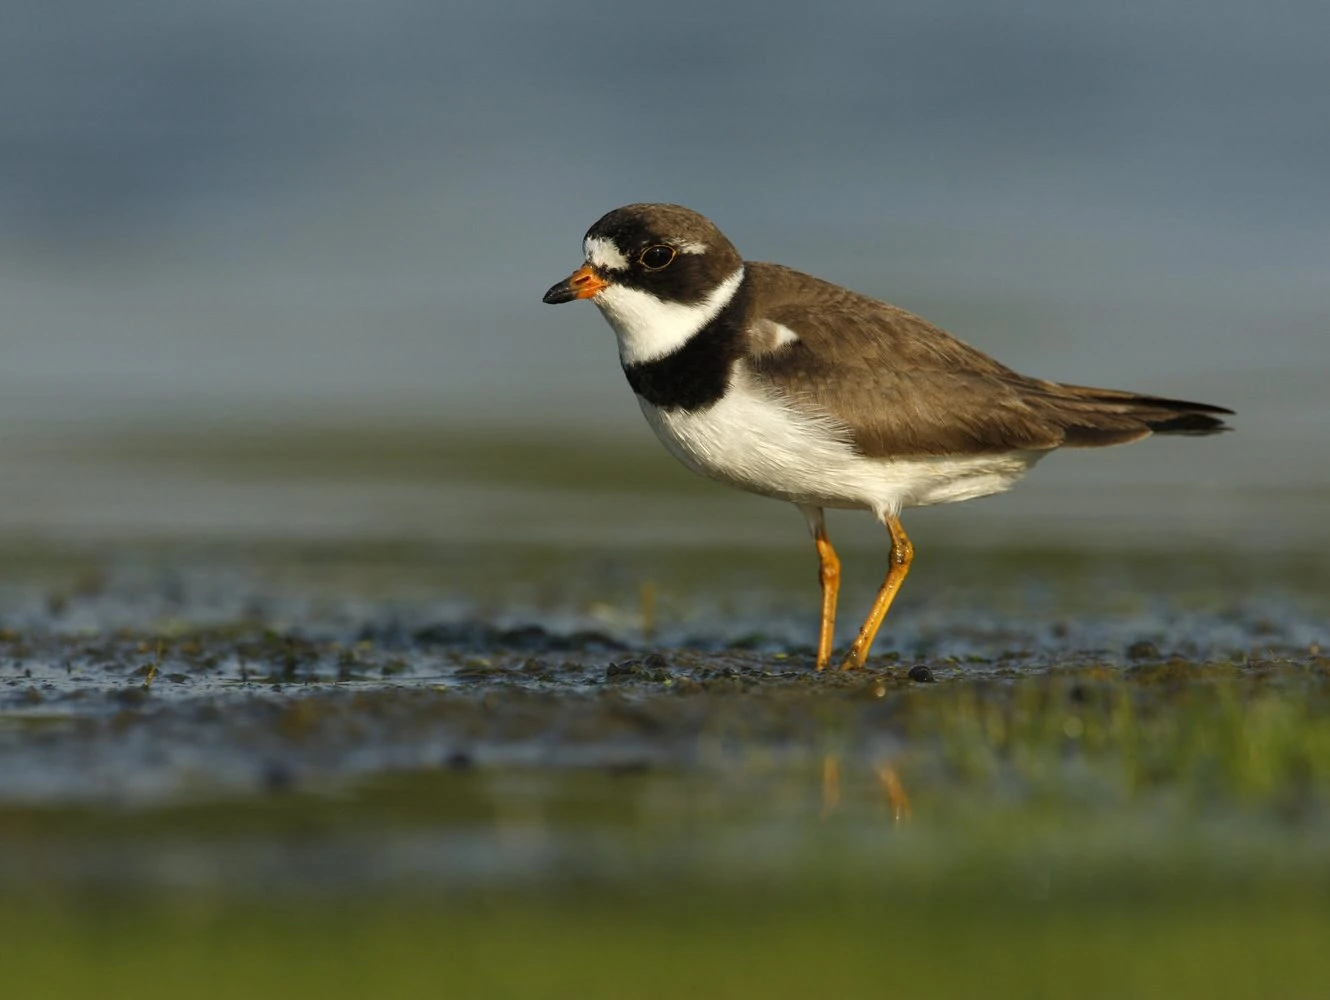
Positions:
(755, 441)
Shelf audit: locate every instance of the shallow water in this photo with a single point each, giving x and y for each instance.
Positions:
(188, 676)
(551, 720)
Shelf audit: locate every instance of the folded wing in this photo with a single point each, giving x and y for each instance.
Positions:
(904, 387)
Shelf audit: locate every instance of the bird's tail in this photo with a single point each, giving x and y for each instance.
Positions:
(1093, 417)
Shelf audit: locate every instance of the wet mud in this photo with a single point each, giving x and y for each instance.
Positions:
(307, 720)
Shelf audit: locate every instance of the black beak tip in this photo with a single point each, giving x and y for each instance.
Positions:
(562, 292)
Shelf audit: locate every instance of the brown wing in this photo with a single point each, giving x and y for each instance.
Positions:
(905, 387)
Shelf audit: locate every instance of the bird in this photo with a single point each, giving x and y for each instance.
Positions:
(788, 386)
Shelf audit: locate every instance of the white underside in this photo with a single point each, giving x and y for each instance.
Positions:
(758, 442)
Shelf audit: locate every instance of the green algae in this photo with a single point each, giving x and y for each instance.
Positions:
(683, 941)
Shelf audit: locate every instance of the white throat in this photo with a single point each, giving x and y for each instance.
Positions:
(649, 328)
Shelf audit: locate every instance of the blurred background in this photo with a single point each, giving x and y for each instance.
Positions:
(357, 637)
(274, 269)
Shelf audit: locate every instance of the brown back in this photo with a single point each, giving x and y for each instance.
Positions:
(905, 387)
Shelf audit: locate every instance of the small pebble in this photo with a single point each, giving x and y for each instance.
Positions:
(628, 668)
(459, 760)
(920, 674)
(277, 777)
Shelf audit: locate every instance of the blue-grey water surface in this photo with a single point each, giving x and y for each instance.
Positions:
(336, 213)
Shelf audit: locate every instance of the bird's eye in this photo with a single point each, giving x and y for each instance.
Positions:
(654, 258)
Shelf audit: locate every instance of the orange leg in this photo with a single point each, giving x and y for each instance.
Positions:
(829, 576)
(902, 554)
(830, 784)
(897, 800)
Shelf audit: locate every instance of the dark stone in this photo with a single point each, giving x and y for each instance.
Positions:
(528, 638)
(459, 760)
(590, 641)
(524, 638)
(133, 695)
(278, 777)
(920, 674)
(625, 670)
(1143, 650)
(637, 670)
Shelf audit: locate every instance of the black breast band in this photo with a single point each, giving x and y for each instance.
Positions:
(697, 374)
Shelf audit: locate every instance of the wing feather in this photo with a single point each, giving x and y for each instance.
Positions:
(902, 386)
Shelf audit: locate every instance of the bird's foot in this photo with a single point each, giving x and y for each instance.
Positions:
(854, 659)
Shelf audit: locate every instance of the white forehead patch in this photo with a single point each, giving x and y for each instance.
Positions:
(691, 246)
(603, 253)
(649, 328)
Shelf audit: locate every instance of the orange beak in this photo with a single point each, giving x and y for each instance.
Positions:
(581, 284)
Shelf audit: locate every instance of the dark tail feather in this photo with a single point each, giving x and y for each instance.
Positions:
(1096, 417)
(1196, 424)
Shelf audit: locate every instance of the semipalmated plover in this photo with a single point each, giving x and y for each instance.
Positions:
(786, 385)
